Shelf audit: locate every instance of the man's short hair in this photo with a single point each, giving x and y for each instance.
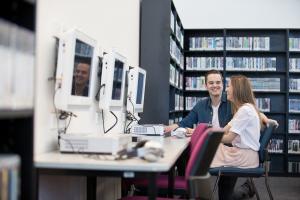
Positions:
(213, 71)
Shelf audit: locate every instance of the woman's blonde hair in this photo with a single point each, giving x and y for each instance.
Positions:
(242, 93)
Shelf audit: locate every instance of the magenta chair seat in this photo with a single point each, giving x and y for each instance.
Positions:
(161, 182)
(196, 179)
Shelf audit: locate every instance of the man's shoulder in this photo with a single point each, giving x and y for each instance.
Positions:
(203, 101)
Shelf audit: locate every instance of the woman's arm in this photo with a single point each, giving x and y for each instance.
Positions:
(228, 137)
(227, 127)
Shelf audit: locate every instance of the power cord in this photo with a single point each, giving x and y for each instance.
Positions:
(131, 118)
(97, 97)
(63, 116)
(106, 131)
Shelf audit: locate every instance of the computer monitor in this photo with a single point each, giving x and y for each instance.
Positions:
(76, 71)
(112, 88)
(136, 90)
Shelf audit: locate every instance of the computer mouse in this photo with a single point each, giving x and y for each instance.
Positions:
(151, 151)
(153, 144)
(180, 132)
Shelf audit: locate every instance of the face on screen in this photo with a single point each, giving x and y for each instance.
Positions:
(117, 82)
(82, 68)
(82, 73)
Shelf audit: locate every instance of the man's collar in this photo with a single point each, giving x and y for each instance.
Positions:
(223, 98)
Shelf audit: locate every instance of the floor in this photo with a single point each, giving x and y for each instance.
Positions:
(283, 188)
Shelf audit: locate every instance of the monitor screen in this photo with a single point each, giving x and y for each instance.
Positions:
(118, 80)
(81, 71)
(140, 88)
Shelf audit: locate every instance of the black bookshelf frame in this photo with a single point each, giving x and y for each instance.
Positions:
(155, 34)
(17, 124)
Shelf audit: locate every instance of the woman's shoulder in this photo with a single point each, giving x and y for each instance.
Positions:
(248, 108)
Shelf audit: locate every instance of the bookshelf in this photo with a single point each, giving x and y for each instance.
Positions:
(293, 150)
(17, 38)
(162, 55)
(271, 59)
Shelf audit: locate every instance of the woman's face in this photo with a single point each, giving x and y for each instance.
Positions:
(229, 91)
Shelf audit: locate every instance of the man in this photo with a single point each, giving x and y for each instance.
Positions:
(215, 110)
(203, 111)
(80, 86)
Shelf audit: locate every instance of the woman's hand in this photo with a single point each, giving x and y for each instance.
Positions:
(273, 121)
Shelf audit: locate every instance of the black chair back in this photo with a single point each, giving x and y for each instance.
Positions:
(264, 141)
(199, 177)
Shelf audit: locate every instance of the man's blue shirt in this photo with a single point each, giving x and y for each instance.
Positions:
(202, 113)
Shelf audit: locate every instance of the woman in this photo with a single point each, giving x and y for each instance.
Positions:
(243, 131)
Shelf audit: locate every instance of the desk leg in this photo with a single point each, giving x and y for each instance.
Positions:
(171, 180)
(152, 188)
(91, 187)
(37, 177)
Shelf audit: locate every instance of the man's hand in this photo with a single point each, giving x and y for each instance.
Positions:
(189, 132)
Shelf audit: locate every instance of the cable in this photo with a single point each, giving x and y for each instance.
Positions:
(131, 104)
(127, 130)
(97, 97)
(106, 131)
(57, 119)
(130, 117)
(62, 115)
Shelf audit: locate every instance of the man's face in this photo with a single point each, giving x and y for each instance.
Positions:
(214, 84)
(82, 73)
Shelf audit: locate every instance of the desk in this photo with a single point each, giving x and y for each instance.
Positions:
(55, 163)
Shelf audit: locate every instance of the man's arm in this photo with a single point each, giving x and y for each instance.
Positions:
(188, 121)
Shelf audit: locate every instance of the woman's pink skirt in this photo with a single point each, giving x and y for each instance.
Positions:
(235, 157)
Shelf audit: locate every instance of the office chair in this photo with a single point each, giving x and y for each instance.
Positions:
(163, 180)
(197, 179)
(261, 170)
(197, 133)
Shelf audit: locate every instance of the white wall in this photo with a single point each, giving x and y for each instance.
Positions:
(239, 13)
(114, 24)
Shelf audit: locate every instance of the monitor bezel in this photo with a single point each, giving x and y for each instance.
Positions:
(132, 90)
(64, 100)
(107, 77)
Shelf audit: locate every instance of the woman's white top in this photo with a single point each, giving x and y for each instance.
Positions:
(246, 124)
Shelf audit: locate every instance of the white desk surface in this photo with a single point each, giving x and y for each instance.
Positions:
(173, 148)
